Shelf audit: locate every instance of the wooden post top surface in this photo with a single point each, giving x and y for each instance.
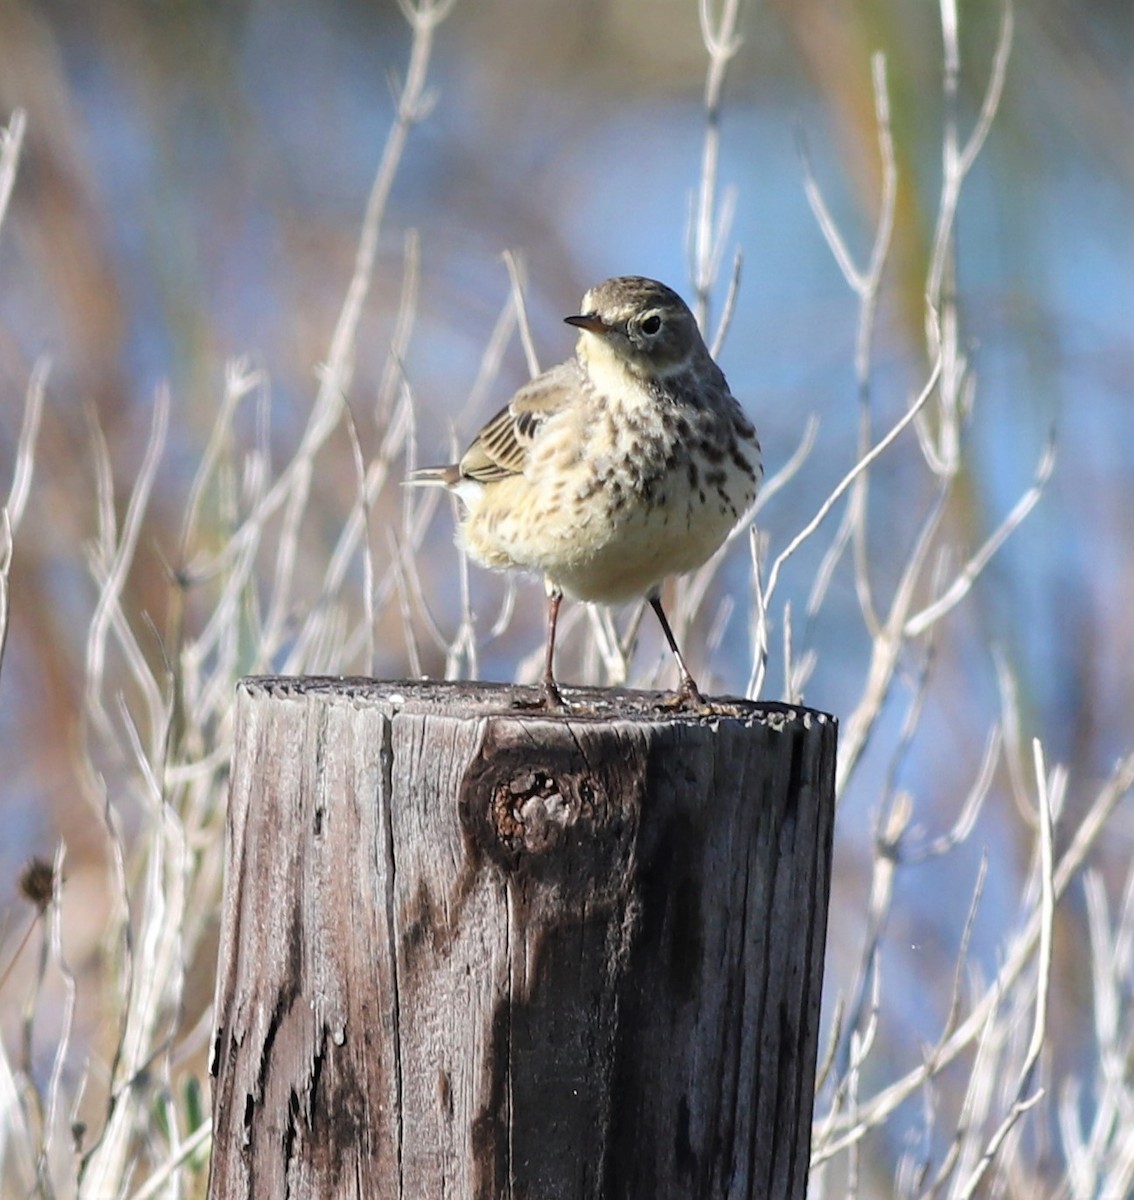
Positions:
(474, 698)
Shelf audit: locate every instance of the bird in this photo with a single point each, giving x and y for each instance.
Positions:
(625, 465)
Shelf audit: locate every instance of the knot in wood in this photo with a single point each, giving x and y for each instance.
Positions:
(551, 801)
(534, 809)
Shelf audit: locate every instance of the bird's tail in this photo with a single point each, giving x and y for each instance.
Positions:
(432, 477)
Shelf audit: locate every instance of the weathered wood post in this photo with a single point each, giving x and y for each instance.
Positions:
(474, 951)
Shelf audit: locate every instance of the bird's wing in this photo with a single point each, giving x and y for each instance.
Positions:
(501, 447)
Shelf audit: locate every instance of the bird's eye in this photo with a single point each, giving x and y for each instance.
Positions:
(651, 325)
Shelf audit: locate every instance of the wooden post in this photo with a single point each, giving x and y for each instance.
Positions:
(474, 951)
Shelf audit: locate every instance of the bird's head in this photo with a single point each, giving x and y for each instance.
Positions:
(642, 324)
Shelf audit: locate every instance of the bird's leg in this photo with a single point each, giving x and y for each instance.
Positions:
(551, 696)
(549, 690)
(690, 694)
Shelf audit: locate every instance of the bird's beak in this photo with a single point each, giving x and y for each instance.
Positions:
(591, 322)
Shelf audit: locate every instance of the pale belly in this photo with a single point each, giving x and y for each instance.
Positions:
(607, 542)
(639, 553)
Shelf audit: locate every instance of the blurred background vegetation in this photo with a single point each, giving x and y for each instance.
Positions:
(191, 190)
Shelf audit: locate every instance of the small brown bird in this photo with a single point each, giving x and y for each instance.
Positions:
(629, 463)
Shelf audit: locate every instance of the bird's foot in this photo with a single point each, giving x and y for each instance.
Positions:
(687, 699)
(549, 699)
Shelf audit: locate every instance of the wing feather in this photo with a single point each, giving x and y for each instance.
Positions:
(501, 448)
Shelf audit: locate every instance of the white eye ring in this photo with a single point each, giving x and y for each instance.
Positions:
(651, 325)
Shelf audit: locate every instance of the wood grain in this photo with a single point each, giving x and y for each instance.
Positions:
(475, 951)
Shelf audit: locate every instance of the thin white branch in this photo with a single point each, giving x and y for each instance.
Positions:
(1022, 952)
(196, 1142)
(862, 465)
(292, 489)
(70, 990)
(729, 310)
(970, 572)
(107, 612)
(709, 229)
(26, 444)
(971, 807)
(1025, 1097)
(389, 388)
(11, 145)
(516, 279)
(790, 469)
(990, 105)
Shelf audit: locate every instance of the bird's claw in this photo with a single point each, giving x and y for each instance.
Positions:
(550, 699)
(688, 699)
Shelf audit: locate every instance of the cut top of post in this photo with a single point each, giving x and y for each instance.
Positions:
(471, 698)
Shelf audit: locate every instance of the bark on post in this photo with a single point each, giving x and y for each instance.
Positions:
(474, 951)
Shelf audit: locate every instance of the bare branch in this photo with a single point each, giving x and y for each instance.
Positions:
(859, 467)
(970, 572)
